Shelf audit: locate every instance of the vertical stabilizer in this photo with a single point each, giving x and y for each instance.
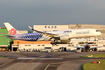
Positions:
(11, 29)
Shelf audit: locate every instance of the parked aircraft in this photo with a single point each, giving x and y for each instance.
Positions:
(89, 47)
(52, 35)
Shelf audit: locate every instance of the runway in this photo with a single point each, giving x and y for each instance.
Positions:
(45, 61)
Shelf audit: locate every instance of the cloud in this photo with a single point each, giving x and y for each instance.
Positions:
(51, 11)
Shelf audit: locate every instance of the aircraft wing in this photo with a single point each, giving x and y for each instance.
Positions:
(49, 35)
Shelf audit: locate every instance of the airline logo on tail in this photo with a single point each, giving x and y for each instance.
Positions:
(12, 31)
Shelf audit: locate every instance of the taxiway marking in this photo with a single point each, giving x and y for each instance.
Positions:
(37, 58)
(25, 64)
(46, 67)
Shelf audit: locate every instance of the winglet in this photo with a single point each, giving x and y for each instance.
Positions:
(31, 28)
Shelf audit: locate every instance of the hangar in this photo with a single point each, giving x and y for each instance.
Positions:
(4, 41)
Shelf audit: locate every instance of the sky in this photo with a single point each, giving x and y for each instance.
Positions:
(24, 13)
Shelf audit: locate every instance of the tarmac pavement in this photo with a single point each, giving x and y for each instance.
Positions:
(45, 61)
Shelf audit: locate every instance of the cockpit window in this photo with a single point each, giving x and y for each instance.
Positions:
(97, 30)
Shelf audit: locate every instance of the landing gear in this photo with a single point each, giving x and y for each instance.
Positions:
(53, 43)
(55, 40)
(96, 39)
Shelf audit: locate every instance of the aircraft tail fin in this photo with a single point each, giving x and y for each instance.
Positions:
(11, 29)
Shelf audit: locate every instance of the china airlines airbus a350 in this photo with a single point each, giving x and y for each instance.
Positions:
(55, 35)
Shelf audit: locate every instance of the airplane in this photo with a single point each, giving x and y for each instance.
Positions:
(64, 35)
(14, 34)
(61, 35)
(89, 47)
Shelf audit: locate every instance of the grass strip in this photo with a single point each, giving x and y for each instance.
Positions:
(1, 56)
(95, 56)
(95, 66)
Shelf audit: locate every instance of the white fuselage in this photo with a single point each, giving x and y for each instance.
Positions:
(77, 33)
(85, 33)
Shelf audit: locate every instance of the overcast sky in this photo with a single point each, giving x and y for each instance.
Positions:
(21, 13)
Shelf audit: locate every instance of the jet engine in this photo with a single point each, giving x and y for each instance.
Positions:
(60, 39)
(64, 37)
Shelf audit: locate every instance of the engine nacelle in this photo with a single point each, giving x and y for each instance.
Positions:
(64, 37)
